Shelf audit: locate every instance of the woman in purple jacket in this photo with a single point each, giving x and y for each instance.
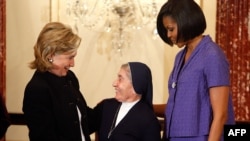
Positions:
(200, 102)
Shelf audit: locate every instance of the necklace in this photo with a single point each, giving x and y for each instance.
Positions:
(113, 122)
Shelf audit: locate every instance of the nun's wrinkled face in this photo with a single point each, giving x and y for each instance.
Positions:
(123, 87)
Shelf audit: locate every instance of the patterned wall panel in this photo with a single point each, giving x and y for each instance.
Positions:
(233, 35)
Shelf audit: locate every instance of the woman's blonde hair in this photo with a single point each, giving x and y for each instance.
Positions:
(55, 38)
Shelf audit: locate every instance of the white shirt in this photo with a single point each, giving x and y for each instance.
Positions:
(80, 121)
(125, 107)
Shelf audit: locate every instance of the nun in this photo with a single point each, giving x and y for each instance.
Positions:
(129, 116)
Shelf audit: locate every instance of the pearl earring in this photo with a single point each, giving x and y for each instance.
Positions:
(50, 60)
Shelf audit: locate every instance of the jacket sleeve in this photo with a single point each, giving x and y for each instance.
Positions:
(96, 117)
(92, 120)
(92, 115)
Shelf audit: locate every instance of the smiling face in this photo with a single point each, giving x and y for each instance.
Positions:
(61, 63)
(123, 87)
(172, 30)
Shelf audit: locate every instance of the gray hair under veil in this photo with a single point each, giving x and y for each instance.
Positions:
(142, 81)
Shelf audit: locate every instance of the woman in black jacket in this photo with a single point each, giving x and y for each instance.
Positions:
(54, 108)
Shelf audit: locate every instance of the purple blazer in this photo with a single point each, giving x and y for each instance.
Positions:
(188, 111)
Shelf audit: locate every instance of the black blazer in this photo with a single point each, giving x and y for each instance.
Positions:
(140, 123)
(49, 107)
(4, 118)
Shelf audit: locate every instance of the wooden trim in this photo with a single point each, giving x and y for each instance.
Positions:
(2, 48)
(17, 119)
(159, 110)
(2, 53)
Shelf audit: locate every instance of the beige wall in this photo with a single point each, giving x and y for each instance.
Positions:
(95, 66)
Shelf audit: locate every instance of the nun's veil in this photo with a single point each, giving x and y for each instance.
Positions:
(142, 80)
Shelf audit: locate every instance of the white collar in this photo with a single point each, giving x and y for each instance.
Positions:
(125, 107)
